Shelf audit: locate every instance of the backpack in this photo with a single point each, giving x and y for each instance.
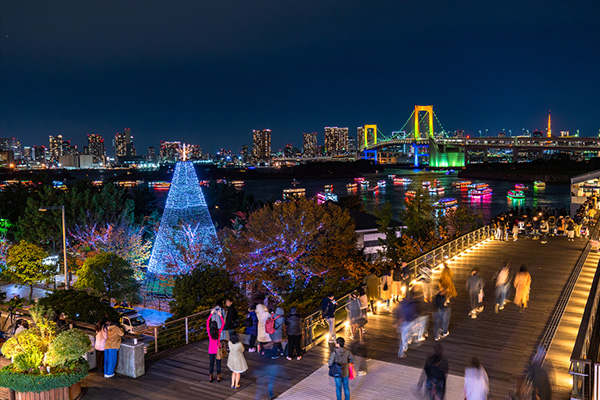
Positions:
(249, 322)
(270, 325)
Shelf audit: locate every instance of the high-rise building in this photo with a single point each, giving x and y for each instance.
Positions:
(95, 148)
(39, 154)
(261, 145)
(360, 138)
(123, 144)
(56, 147)
(27, 153)
(289, 151)
(11, 144)
(351, 144)
(309, 144)
(336, 140)
(194, 152)
(245, 154)
(151, 154)
(169, 151)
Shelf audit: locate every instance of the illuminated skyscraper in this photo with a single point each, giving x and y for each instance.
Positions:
(168, 151)
(336, 140)
(360, 138)
(96, 149)
(261, 145)
(123, 144)
(55, 148)
(309, 144)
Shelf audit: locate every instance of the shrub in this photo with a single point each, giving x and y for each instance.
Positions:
(23, 342)
(79, 305)
(67, 347)
(13, 379)
(29, 361)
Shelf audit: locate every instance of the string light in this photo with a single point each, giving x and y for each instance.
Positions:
(185, 226)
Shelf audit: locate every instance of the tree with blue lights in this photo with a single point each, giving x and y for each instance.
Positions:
(185, 230)
(292, 247)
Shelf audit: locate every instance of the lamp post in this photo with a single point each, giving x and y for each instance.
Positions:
(64, 235)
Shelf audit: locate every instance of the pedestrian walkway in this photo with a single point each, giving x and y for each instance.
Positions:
(384, 381)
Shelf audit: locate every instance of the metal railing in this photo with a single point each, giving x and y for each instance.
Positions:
(176, 333)
(316, 329)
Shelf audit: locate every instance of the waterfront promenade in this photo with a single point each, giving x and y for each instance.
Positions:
(504, 342)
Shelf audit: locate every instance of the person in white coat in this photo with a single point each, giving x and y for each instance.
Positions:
(263, 314)
(476, 381)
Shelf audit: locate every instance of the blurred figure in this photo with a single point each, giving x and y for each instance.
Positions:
(364, 306)
(355, 316)
(386, 288)
(406, 315)
(515, 230)
(475, 289)
(476, 385)
(447, 282)
(425, 274)
(343, 357)
(371, 281)
(441, 315)
(435, 373)
(522, 286)
(540, 377)
(502, 277)
(328, 306)
(397, 281)
(544, 229)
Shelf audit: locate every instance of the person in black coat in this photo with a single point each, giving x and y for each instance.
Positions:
(294, 333)
(232, 320)
(435, 373)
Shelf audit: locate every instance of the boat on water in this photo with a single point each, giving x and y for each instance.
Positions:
(446, 202)
(293, 193)
(159, 185)
(328, 188)
(539, 184)
(450, 172)
(392, 176)
(402, 181)
(461, 184)
(515, 194)
(373, 188)
(521, 186)
(237, 184)
(410, 194)
(361, 179)
(436, 190)
(480, 192)
(351, 186)
(477, 185)
(381, 184)
(426, 184)
(322, 197)
(364, 183)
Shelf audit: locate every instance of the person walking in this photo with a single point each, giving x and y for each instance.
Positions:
(262, 314)
(515, 230)
(397, 281)
(252, 328)
(342, 356)
(475, 289)
(502, 277)
(540, 377)
(111, 348)
(425, 277)
(522, 287)
(100, 343)
(355, 316)
(406, 316)
(328, 306)
(446, 282)
(435, 374)
(476, 385)
(371, 281)
(544, 229)
(364, 307)
(294, 333)
(386, 288)
(441, 315)
(214, 343)
(236, 362)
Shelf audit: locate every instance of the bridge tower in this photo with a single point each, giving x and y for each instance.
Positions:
(549, 125)
(429, 110)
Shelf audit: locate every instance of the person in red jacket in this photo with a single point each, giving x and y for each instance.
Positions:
(214, 342)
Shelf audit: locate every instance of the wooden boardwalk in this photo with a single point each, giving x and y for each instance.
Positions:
(504, 342)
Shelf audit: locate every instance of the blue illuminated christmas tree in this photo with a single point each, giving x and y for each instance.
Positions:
(186, 235)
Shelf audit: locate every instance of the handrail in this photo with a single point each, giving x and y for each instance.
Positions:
(311, 323)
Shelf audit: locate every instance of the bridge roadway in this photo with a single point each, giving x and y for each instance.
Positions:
(504, 342)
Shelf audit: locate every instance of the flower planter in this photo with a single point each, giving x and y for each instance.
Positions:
(73, 392)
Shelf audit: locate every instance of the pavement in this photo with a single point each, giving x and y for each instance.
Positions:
(383, 381)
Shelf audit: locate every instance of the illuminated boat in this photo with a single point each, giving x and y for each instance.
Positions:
(436, 189)
(402, 181)
(515, 194)
(461, 184)
(521, 186)
(480, 192)
(426, 184)
(322, 197)
(477, 185)
(237, 184)
(373, 188)
(204, 183)
(293, 193)
(539, 184)
(364, 183)
(446, 202)
(436, 182)
(381, 184)
(159, 185)
(328, 188)
(392, 176)
(410, 194)
(59, 185)
(359, 180)
(351, 186)
(450, 172)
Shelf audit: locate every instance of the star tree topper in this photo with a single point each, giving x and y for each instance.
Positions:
(183, 151)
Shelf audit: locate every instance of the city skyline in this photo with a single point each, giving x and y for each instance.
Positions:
(200, 73)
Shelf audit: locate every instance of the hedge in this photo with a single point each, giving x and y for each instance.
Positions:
(20, 382)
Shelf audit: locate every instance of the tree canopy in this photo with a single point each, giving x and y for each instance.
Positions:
(25, 264)
(108, 276)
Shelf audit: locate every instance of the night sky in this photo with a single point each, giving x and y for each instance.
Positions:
(209, 72)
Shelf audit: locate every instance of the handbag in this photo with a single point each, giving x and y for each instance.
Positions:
(351, 371)
(481, 296)
(222, 352)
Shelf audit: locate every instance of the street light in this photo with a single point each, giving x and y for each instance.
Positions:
(62, 208)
